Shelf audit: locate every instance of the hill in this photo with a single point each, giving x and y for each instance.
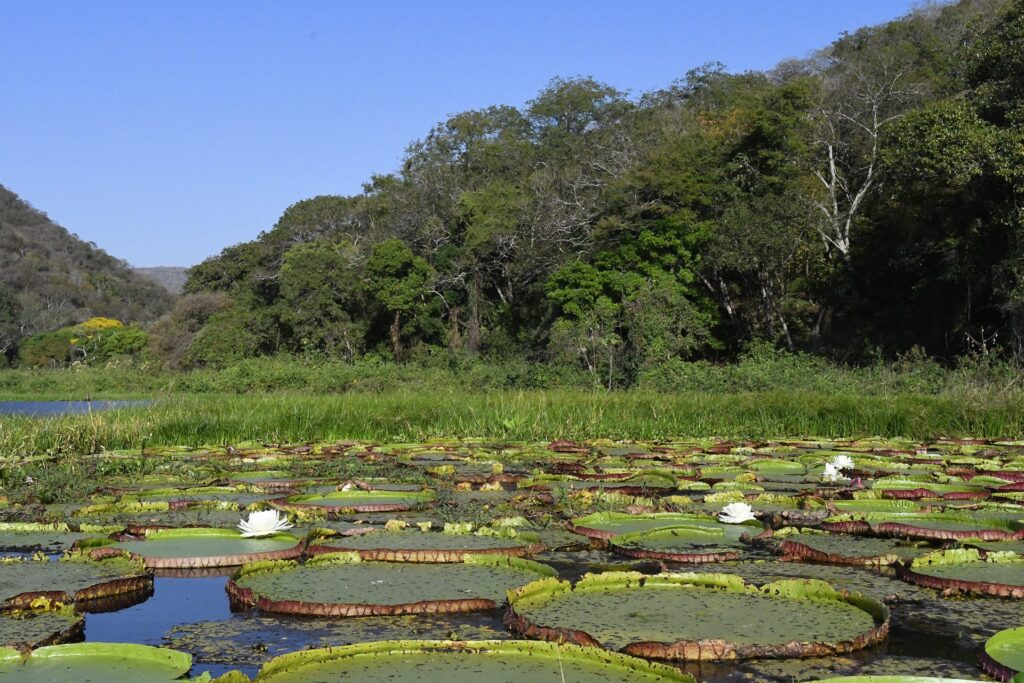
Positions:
(49, 278)
(171, 278)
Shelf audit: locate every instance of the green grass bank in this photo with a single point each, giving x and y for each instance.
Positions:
(410, 415)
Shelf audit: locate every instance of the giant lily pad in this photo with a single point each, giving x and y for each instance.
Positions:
(846, 549)
(924, 525)
(465, 661)
(107, 662)
(26, 537)
(31, 628)
(1003, 657)
(358, 501)
(201, 548)
(662, 616)
(691, 544)
(965, 569)
(429, 546)
(73, 579)
(604, 525)
(342, 585)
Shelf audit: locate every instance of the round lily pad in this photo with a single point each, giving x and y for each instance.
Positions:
(935, 525)
(342, 585)
(967, 570)
(31, 628)
(200, 548)
(698, 616)
(76, 578)
(847, 549)
(691, 544)
(1003, 657)
(604, 525)
(463, 661)
(28, 537)
(428, 546)
(358, 501)
(107, 662)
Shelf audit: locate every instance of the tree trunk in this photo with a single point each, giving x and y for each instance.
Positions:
(454, 338)
(473, 327)
(396, 335)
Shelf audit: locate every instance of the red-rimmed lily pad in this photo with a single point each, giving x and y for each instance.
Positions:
(925, 525)
(965, 569)
(106, 662)
(342, 585)
(31, 628)
(439, 661)
(605, 525)
(865, 551)
(691, 544)
(75, 578)
(1003, 657)
(201, 548)
(647, 616)
(340, 502)
(411, 545)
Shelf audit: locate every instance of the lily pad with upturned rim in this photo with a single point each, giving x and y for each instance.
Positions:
(200, 548)
(107, 662)
(342, 585)
(77, 578)
(1003, 657)
(605, 525)
(357, 501)
(698, 617)
(428, 546)
(965, 569)
(862, 551)
(692, 544)
(32, 628)
(465, 662)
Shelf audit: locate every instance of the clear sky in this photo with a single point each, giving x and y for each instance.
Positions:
(165, 131)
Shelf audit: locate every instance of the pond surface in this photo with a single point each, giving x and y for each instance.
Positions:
(47, 408)
(932, 633)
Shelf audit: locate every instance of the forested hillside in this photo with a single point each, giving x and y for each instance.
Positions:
(50, 279)
(859, 203)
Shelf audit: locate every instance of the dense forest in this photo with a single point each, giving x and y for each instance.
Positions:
(860, 203)
(50, 279)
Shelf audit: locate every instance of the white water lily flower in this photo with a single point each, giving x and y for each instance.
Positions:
(263, 523)
(736, 513)
(842, 462)
(832, 474)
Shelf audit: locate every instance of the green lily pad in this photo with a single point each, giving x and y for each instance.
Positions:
(28, 537)
(698, 616)
(604, 525)
(999, 574)
(341, 584)
(429, 546)
(198, 548)
(690, 544)
(74, 578)
(107, 662)
(1004, 653)
(359, 501)
(847, 549)
(34, 628)
(465, 662)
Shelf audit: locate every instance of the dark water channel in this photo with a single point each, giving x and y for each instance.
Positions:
(194, 615)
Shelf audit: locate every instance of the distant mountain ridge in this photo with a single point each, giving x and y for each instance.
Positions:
(49, 278)
(171, 278)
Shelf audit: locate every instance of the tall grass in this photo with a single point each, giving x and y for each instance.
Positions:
(406, 415)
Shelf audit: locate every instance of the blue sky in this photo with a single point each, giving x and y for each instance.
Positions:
(165, 131)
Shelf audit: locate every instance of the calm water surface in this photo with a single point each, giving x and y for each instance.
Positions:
(46, 408)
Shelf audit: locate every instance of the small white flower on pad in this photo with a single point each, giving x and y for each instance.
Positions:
(263, 523)
(842, 462)
(832, 474)
(736, 513)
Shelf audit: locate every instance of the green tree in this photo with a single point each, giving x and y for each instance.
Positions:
(397, 280)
